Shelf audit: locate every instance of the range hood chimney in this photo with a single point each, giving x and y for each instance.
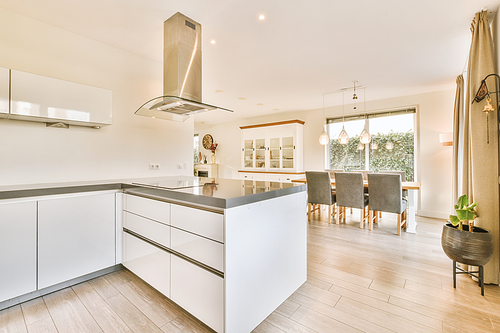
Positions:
(181, 73)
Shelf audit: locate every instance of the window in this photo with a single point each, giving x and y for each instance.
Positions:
(391, 147)
(196, 148)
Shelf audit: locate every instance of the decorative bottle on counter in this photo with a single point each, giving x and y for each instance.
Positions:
(213, 158)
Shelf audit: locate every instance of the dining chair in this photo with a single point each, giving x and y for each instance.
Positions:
(332, 172)
(396, 172)
(319, 192)
(350, 192)
(386, 194)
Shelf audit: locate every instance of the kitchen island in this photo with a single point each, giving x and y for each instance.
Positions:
(227, 251)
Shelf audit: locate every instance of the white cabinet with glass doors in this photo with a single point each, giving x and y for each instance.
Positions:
(273, 147)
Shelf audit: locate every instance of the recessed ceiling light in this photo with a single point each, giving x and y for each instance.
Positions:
(260, 104)
(212, 41)
(261, 17)
(242, 98)
(218, 91)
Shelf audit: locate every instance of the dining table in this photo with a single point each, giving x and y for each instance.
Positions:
(411, 187)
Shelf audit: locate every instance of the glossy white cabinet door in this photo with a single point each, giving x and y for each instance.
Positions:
(4, 92)
(200, 222)
(199, 292)
(148, 208)
(204, 250)
(76, 236)
(153, 230)
(148, 262)
(41, 98)
(17, 249)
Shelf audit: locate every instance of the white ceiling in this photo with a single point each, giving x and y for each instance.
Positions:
(300, 51)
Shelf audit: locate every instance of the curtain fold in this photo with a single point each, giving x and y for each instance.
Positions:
(457, 138)
(480, 158)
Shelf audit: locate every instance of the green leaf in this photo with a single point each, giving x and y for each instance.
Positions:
(454, 220)
(464, 214)
(463, 201)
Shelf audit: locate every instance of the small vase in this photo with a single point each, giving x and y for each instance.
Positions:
(213, 158)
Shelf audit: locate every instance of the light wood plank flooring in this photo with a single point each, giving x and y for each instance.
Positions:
(358, 281)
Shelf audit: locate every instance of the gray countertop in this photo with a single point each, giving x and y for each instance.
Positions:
(212, 192)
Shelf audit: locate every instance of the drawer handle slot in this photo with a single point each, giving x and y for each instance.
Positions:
(175, 253)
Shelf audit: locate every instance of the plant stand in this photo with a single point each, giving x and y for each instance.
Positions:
(479, 276)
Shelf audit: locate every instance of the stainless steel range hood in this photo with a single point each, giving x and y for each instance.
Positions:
(181, 73)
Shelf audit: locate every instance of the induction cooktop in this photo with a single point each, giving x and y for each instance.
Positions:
(177, 182)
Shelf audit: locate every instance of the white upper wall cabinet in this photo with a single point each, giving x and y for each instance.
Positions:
(4, 92)
(40, 98)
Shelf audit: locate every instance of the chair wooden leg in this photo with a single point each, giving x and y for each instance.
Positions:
(361, 218)
(380, 214)
(370, 219)
(338, 214)
(329, 214)
(309, 212)
(343, 213)
(399, 224)
(351, 210)
(376, 217)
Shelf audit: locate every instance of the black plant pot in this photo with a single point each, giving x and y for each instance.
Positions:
(469, 248)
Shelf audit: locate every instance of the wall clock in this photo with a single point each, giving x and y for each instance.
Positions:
(207, 141)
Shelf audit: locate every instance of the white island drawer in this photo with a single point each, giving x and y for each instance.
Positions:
(153, 230)
(147, 262)
(199, 292)
(201, 249)
(149, 208)
(201, 222)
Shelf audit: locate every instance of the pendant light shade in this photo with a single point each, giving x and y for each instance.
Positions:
(488, 107)
(389, 145)
(374, 146)
(323, 138)
(343, 137)
(365, 137)
(361, 146)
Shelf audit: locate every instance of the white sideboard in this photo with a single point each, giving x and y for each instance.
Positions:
(206, 170)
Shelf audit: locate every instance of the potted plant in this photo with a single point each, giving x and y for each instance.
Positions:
(463, 242)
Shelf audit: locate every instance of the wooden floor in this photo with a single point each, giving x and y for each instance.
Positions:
(358, 281)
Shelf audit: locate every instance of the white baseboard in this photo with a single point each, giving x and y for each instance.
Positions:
(436, 215)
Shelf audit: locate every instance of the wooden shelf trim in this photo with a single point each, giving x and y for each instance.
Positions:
(296, 121)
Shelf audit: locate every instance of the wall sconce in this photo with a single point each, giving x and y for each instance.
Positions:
(446, 139)
(483, 92)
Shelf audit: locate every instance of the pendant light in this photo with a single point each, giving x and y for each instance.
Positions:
(323, 137)
(361, 146)
(343, 137)
(389, 145)
(365, 136)
(374, 145)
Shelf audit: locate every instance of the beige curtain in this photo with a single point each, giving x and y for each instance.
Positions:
(480, 159)
(457, 134)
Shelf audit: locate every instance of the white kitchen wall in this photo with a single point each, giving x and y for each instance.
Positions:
(32, 153)
(434, 162)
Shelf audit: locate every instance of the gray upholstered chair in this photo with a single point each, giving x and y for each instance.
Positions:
(386, 196)
(396, 172)
(319, 192)
(332, 172)
(350, 192)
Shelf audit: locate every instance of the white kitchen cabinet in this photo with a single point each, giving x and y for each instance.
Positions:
(198, 221)
(17, 248)
(147, 261)
(4, 92)
(151, 209)
(273, 147)
(199, 248)
(40, 98)
(199, 292)
(76, 236)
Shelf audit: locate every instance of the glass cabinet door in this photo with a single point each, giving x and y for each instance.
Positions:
(248, 154)
(274, 153)
(260, 153)
(287, 152)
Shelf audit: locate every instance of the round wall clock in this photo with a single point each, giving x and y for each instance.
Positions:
(207, 141)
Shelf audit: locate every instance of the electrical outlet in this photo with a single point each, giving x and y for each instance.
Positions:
(154, 166)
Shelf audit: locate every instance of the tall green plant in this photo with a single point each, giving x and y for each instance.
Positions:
(465, 212)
